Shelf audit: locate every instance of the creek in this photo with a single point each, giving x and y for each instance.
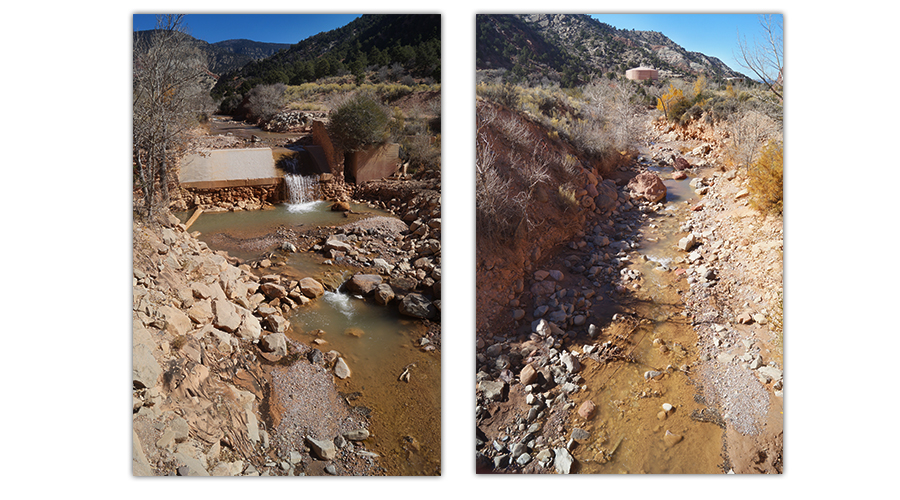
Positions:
(225, 125)
(376, 342)
(630, 431)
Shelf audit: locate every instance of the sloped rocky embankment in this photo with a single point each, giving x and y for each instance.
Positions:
(218, 389)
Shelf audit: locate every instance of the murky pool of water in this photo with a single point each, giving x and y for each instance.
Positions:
(242, 225)
(379, 345)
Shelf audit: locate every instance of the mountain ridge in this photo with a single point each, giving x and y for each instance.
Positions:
(227, 55)
(586, 47)
(373, 40)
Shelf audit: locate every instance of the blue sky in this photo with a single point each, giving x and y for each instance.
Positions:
(711, 34)
(275, 28)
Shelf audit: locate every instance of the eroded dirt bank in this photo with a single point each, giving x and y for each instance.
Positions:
(611, 356)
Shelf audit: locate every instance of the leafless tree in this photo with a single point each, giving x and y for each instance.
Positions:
(167, 101)
(622, 125)
(749, 131)
(765, 58)
(265, 101)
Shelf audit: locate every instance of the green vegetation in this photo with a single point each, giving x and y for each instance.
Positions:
(387, 92)
(403, 48)
(505, 41)
(360, 121)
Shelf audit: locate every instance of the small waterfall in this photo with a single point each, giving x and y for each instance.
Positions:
(340, 302)
(300, 189)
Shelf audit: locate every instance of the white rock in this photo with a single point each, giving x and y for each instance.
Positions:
(341, 370)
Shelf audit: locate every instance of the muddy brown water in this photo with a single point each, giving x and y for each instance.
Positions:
(376, 342)
(379, 345)
(630, 432)
(229, 230)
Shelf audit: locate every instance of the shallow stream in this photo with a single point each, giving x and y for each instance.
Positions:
(376, 342)
(630, 432)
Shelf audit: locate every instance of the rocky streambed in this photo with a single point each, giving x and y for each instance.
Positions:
(644, 344)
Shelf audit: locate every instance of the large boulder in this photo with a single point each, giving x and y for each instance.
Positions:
(649, 186)
(341, 370)
(338, 245)
(681, 164)
(311, 288)
(688, 242)
(323, 449)
(417, 306)
(227, 317)
(363, 284)
(606, 197)
(201, 312)
(177, 322)
(384, 294)
(564, 461)
(273, 290)
(250, 328)
(493, 390)
(275, 343)
(140, 466)
(528, 375)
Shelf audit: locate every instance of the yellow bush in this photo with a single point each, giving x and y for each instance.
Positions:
(699, 86)
(667, 101)
(767, 180)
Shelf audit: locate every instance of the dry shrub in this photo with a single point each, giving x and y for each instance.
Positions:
(494, 209)
(265, 101)
(424, 152)
(767, 179)
(622, 123)
(748, 131)
(506, 183)
(566, 195)
(505, 94)
(516, 131)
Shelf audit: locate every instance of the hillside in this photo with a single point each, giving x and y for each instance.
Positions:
(228, 55)
(409, 42)
(570, 49)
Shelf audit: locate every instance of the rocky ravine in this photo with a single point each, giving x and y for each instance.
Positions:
(528, 377)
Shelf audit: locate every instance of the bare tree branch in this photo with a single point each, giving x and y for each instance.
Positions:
(167, 100)
(765, 58)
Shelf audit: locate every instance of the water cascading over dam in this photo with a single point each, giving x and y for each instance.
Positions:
(299, 189)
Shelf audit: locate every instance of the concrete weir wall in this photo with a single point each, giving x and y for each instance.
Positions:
(224, 168)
